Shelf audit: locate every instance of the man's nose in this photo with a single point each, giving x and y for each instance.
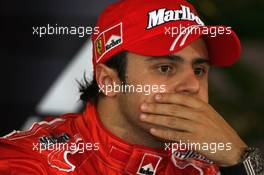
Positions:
(188, 83)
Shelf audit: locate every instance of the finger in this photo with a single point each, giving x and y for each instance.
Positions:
(170, 122)
(171, 110)
(171, 135)
(179, 99)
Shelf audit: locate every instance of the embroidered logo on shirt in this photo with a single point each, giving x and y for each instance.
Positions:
(149, 164)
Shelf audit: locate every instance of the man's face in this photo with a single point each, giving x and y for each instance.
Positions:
(185, 72)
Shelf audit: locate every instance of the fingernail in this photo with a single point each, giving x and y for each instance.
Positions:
(152, 130)
(158, 97)
(144, 106)
(143, 116)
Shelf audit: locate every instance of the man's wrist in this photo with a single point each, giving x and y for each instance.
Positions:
(236, 157)
(251, 163)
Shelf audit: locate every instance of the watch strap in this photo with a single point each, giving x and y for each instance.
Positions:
(252, 163)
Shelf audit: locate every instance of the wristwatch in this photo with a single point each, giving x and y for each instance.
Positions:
(252, 163)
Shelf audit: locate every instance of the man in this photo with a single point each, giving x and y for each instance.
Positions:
(148, 98)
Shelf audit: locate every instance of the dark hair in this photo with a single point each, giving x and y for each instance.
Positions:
(89, 89)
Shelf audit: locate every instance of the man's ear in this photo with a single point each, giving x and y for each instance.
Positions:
(106, 79)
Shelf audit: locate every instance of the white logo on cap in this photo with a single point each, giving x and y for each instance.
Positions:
(108, 40)
(163, 15)
(187, 32)
(113, 41)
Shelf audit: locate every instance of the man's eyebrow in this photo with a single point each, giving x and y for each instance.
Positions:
(179, 59)
(167, 57)
(201, 61)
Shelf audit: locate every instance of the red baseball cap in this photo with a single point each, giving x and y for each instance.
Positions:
(159, 28)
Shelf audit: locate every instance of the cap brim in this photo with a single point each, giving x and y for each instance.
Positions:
(224, 49)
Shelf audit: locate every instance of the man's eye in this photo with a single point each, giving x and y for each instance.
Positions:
(199, 71)
(165, 69)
